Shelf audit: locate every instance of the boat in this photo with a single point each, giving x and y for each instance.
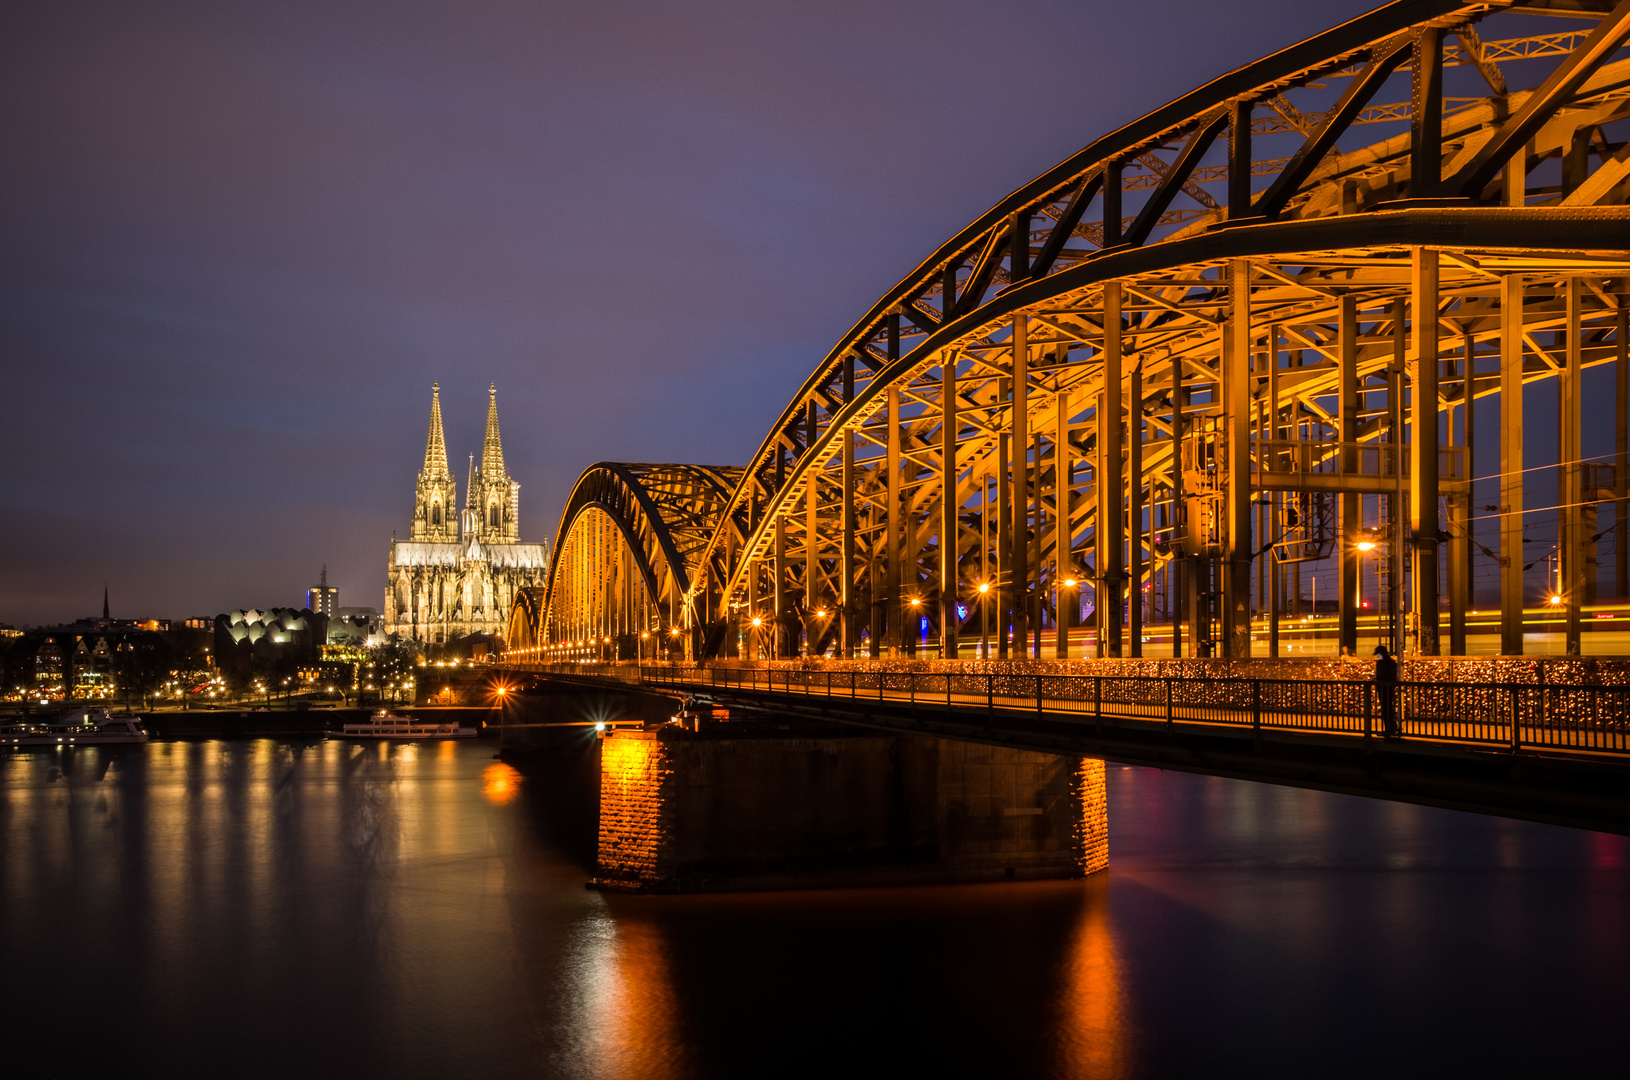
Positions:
(89, 726)
(385, 724)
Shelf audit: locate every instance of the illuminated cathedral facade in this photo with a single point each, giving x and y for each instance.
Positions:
(459, 571)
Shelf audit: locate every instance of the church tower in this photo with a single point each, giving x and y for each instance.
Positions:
(493, 495)
(435, 505)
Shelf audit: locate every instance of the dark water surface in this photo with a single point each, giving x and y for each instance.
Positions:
(273, 909)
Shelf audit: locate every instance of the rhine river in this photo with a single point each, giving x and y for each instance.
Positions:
(277, 909)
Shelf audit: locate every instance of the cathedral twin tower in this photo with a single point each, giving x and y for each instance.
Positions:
(459, 572)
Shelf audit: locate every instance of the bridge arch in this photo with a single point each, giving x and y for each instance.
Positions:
(1201, 339)
(626, 552)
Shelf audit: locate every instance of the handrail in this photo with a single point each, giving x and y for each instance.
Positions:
(1510, 717)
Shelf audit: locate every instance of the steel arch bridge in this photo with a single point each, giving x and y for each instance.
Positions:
(1239, 335)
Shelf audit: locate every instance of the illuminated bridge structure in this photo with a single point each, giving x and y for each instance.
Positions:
(1230, 344)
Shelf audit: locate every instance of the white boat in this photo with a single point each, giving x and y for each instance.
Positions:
(90, 726)
(393, 725)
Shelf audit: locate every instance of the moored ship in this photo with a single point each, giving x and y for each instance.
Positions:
(385, 724)
(89, 726)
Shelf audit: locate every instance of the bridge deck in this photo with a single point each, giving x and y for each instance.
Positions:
(1558, 753)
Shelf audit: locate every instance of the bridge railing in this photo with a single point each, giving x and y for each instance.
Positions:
(1510, 716)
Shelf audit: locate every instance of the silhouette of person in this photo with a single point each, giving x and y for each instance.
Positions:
(1386, 688)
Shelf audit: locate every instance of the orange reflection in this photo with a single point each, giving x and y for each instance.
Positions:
(628, 984)
(1093, 1034)
(500, 783)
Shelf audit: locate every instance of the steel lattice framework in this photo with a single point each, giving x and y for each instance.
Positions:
(1249, 321)
(629, 546)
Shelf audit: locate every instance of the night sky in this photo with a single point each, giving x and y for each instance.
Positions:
(239, 241)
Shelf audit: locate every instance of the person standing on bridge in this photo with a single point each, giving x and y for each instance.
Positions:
(1386, 688)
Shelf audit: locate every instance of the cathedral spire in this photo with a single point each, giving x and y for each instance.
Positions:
(435, 447)
(492, 451)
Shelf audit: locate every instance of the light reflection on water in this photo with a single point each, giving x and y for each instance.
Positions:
(256, 908)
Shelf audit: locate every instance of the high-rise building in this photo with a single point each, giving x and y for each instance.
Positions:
(323, 598)
(458, 576)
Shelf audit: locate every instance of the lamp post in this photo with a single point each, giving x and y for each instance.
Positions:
(984, 620)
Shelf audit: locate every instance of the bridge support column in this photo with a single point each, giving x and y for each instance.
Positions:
(949, 545)
(1019, 548)
(894, 526)
(1621, 445)
(1351, 504)
(1134, 511)
(1511, 474)
(1572, 539)
(781, 633)
(1177, 568)
(846, 554)
(1460, 505)
(1110, 481)
(1004, 546)
(714, 811)
(1423, 459)
(1066, 605)
(1236, 392)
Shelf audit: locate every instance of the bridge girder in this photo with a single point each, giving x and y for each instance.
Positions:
(1218, 250)
(627, 550)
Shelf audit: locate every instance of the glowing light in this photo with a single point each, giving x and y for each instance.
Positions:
(915, 602)
(1365, 545)
(1069, 583)
(1556, 599)
(757, 621)
(984, 586)
(599, 725)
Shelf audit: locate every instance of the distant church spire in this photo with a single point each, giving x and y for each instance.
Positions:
(495, 497)
(104, 600)
(435, 503)
(435, 447)
(492, 451)
(469, 486)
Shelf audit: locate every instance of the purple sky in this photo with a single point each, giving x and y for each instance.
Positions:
(238, 242)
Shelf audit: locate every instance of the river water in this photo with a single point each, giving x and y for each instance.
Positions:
(266, 908)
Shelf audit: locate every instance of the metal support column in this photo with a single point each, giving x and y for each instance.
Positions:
(1065, 597)
(779, 644)
(949, 504)
(1004, 546)
(1423, 487)
(1019, 545)
(1398, 546)
(1111, 482)
(1177, 569)
(1460, 505)
(1236, 399)
(1621, 446)
(846, 572)
(1571, 539)
(1351, 502)
(894, 526)
(1511, 475)
(1134, 510)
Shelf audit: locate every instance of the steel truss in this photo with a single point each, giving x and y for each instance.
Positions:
(1199, 340)
(627, 551)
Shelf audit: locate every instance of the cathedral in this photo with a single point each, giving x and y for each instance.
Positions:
(460, 571)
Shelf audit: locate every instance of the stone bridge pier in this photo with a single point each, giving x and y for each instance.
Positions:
(767, 801)
(770, 805)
